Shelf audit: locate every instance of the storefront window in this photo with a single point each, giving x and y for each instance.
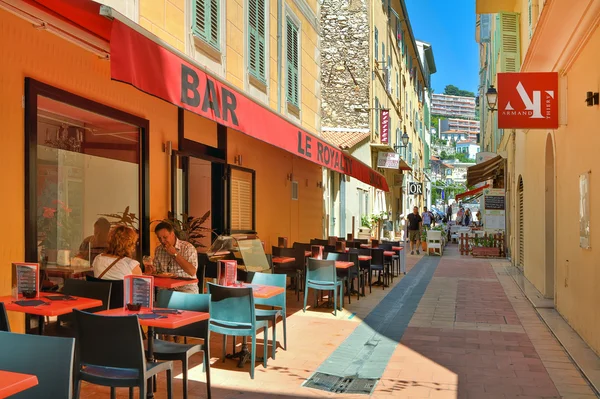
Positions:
(86, 179)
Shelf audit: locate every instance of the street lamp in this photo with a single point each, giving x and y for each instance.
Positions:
(405, 139)
(492, 98)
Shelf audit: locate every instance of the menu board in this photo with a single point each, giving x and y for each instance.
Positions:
(227, 272)
(138, 290)
(282, 242)
(316, 252)
(25, 278)
(350, 237)
(494, 202)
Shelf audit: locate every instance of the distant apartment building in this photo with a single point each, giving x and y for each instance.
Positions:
(457, 106)
(457, 135)
(466, 125)
(469, 147)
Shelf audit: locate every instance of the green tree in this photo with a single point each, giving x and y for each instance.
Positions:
(452, 90)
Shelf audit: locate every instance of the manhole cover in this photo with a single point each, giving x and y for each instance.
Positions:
(333, 383)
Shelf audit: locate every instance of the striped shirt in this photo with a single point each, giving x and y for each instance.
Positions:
(165, 263)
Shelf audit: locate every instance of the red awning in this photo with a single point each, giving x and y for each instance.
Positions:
(168, 74)
(471, 193)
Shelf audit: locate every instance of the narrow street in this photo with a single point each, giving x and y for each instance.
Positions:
(466, 330)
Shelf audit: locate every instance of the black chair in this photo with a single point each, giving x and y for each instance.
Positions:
(111, 353)
(365, 266)
(50, 359)
(165, 350)
(344, 274)
(116, 291)
(302, 246)
(200, 276)
(395, 259)
(294, 270)
(86, 289)
(329, 248)
(378, 264)
(4, 324)
(317, 241)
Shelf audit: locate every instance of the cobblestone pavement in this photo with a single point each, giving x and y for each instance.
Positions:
(466, 331)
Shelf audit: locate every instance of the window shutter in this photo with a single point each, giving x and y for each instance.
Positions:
(295, 190)
(206, 21)
(292, 63)
(241, 200)
(510, 50)
(382, 52)
(376, 116)
(376, 44)
(529, 12)
(256, 39)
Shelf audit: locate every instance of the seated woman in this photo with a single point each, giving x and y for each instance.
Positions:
(116, 262)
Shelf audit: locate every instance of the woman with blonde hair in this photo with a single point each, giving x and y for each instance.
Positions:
(116, 262)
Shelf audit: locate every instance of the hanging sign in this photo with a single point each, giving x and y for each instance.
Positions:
(415, 188)
(385, 125)
(528, 100)
(388, 160)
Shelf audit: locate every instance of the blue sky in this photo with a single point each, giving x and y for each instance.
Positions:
(449, 25)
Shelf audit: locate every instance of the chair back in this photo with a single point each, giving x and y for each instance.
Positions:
(354, 251)
(109, 341)
(231, 307)
(200, 276)
(378, 257)
(353, 257)
(4, 324)
(321, 271)
(392, 243)
(276, 251)
(184, 301)
(87, 289)
(210, 268)
(337, 256)
(433, 235)
(385, 247)
(50, 359)
(329, 248)
(317, 241)
(116, 290)
(302, 246)
(275, 280)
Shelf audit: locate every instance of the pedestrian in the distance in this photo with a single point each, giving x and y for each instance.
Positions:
(428, 218)
(414, 230)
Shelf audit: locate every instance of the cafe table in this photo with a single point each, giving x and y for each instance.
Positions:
(12, 383)
(283, 259)
(48, 304)
(340, 264)
(161, 318)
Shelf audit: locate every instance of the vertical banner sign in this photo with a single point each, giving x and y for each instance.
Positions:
(528, 100)
(385, 125)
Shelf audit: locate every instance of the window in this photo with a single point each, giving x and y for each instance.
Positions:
(293, 63)
(376, 44)
(206, 24)
(241, 200)
(256, 39)
(295, 190)
(382, 53)
(85, 174)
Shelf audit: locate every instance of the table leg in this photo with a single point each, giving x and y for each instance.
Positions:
(150, 358)
(243, 354)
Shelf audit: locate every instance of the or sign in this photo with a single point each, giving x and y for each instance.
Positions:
(415, 188)
(385, 125)
(25, 278)
(484, 156)
(528, 100)
(388, 160)
(138, 290)
(139, 61)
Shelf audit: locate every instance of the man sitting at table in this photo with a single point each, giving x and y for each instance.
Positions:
(175, 256)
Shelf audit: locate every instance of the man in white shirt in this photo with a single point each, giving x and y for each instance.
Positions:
(175, 256)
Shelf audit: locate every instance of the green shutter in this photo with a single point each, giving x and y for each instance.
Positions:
(256, 39)
(376, 44)
(292, 63)
(206, 21)
(510, 60)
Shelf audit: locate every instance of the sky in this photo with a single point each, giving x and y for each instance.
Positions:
(449, 26)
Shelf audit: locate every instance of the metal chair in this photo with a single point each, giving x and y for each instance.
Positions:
(365, 266)
(321, 276)
(50, 359)
(378, 264)
(111, 353)
(165, 350)
(277, 304)
(233, 313)
(86, 289)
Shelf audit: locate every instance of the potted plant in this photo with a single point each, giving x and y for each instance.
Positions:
(125, 218)
(485, 247)
(189, 228)
(54, 229)
(424, 240)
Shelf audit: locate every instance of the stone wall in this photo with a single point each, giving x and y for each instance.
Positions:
(345, 54)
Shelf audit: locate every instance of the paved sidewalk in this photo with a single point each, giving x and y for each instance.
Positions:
(470, 334)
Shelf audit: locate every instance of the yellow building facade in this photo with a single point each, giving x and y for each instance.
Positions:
(545, 167)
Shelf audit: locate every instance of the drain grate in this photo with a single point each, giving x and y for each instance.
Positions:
(335, 384)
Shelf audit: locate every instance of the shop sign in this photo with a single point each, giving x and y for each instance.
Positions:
(385, 125)
(139, 61)
(528, 100)
(388, 160)
(415, 188)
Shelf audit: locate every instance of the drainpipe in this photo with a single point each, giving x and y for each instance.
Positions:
(279, 51)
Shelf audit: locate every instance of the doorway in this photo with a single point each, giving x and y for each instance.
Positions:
(549, 217)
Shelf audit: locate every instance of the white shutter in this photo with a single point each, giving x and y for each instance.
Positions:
(241, 200)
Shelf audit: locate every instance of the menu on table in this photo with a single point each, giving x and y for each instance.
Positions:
(25, 278)
(350, 237)
(138, 290)
(227, 272)
(316, 252)
(282, 242)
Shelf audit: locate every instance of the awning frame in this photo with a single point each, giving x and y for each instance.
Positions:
(484, 171)
(471, 192)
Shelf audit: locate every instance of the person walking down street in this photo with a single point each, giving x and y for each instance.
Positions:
(478, 216)
(414, 230)
(449, 214)
(468, 217)
(460, 215)
(428, 219)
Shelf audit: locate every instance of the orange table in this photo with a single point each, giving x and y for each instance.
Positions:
(171, 282)
(339, 264)
(283, 259)
(265, 291)
(397, 248)
(389, 253)
(364, 257)
(13, 383)
(170, 321)
(365, 246)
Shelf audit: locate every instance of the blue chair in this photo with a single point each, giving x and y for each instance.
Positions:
(277, 303)
(4, 324)
(50, 359)
(321, 276)
(165, 350)
(232, 312)
(111, 353)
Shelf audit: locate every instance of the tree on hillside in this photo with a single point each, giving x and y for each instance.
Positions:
(452, 90)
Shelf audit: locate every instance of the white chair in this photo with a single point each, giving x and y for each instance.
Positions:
(434, 241)
(454, 234)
